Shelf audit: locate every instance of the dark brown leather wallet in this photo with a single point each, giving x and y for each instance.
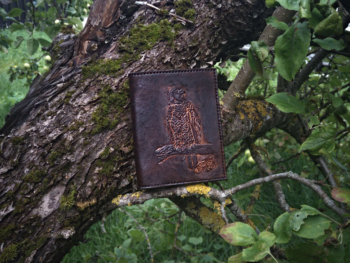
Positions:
(176, 127)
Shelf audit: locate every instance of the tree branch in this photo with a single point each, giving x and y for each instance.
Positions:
(219, 195)
(246, 74)
(281, 199)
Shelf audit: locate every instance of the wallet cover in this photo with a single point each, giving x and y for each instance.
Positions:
(176, 127)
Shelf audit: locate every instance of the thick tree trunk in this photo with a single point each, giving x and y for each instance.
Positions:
(67, 148)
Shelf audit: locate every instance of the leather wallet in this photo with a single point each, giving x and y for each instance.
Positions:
(176, 127)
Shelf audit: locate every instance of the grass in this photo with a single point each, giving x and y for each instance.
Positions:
(13, 92)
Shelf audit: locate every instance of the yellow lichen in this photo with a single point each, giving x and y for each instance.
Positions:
(217, 207)
(198, 189)
(117, 200)
(83, 205)
(137, 194)
(255, 110)
(210, 219)
(228, 201)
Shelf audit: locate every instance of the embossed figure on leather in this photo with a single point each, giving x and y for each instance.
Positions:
(176, 127)
(185, 131)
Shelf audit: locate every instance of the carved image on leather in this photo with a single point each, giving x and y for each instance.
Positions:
(186, 135)
(176, 127)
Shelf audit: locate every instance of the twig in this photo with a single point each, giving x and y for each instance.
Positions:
(235, 209)
(306, 71)
(124, 200)
(235, 155)
(143, 230)
(281, 199)
(158, 9)
(285, 160)
(103, 224)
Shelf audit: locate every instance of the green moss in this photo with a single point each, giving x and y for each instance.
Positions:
(55, 51)
(163, 12)
(67, 29)
(9, 254)
(51, 113)
(17, 140)
(105, 153)
(184, 8)
(178, 26)
(10, 194)
(141, 37)
(6, 232)
(68, 201)
(68, 96)
(144, 37)
(1, 152)
(75, 126)
(54, 156)
(33, 245)
(34, 176)
(112, 103)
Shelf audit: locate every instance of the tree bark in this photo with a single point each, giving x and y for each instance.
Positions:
(67, 148)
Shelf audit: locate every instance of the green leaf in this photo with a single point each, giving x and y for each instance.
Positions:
(287, 103)
(304, 10)
(257, 53)
(15, 27)
(326, 2)
(290, 4)
(316, 18)
(18, 42)
(271, 3)
(296, 219)
(32, 45)
(330, 43)
(282, 228)
(239, 234)
(331, 26)
(236, 259)
(313, 227)
(39, 2)
(310, 210)
(341, 194)
(127, 243)
(256, 252)
(268, 237)
(311, 253)
(195, 240)
(44, 42)
(181, 238)
(272, 21)
(52, 31)
(136, 234)
(336, 101)
(291, 49)
(313, 121)
(316, 140)
(77, 22)
(15, 12)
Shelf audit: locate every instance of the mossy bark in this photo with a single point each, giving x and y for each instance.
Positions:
(67, 148)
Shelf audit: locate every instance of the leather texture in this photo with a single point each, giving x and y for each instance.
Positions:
(176, 127)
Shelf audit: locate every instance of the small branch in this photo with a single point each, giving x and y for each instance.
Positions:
(158, 9)
(143, 230)
(281, 199)
(246, 74)
(235, 209)
(303, 75)
(285, 160)
(235, 155)
(221, 196)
